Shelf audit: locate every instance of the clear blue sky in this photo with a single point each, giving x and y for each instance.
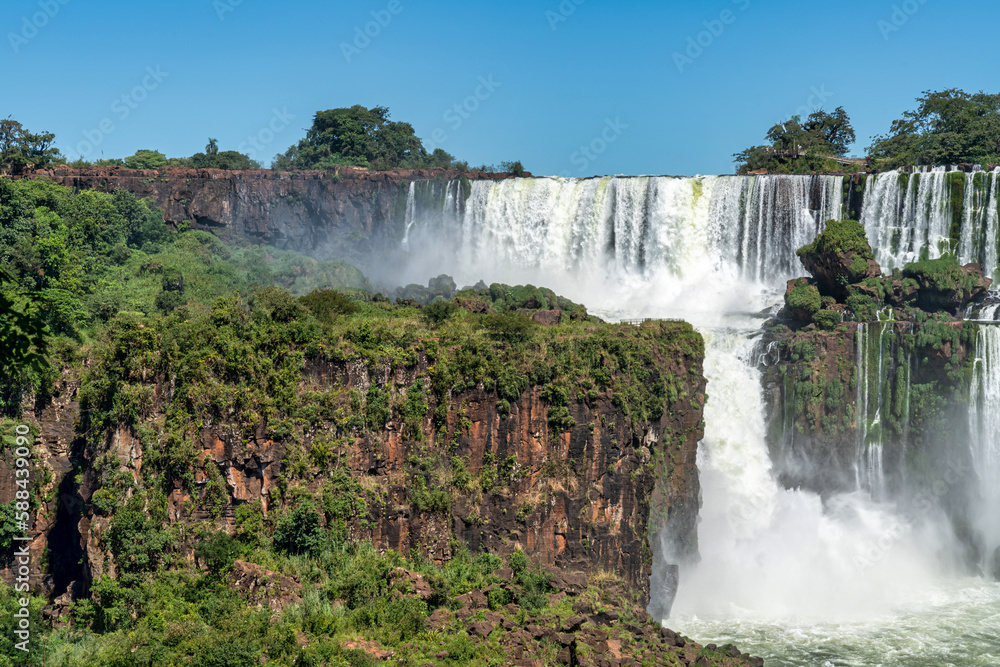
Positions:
(563, 74)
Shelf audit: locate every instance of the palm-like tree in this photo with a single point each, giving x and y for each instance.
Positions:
(213, 147)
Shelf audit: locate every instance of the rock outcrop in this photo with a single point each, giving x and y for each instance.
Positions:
(847, 281)
(838, 257)
(874, 406)
(351, 214)
(580, 497)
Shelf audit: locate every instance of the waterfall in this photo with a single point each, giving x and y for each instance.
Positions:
(411, 213)
(882, 403)
(930, 212)
(647, 227)
(984, 430)
(716, 250)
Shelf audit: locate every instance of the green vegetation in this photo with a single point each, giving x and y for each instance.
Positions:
(942, 274)
(797, 146)
(21, 149)
(348, 598)
(827, 319)
(840, 236)
(23, 336)
(74, 262)
(948, 127)
(841, 261)
(360, 137)
(153, 159)
(804, 297)
(170, 333)
(346, 136)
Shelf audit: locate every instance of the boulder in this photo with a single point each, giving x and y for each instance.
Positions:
(944, 285)
(838, 257)
(802, 300)
(264, 587)
(411, 583)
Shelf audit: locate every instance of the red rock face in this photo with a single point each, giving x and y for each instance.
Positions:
(578, 500)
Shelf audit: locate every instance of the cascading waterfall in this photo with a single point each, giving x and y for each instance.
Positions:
(652, 228)
(984, 430)
(882, 402)
(715, 250)
(411, 213)
(767, 219)
(906, 215)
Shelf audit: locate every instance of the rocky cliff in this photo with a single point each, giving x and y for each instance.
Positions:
(572, 491)
(351, 214)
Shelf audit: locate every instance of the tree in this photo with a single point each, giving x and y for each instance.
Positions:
(23, 334)
(799, 146)
(440, 158)
(20, 149)
(213, 147)
(358, 136)
(948, 126)
(223, 160)
(146, 159)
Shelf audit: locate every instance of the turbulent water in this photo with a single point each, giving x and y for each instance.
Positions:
(855, 580)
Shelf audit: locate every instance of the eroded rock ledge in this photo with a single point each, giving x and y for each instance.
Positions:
(353, 210)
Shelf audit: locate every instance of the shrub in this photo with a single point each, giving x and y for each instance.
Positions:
(943, 274)
(217, 552)
(511, 328)
(299, 531)
(804, 297)
(518, 562)
(327, 304)
(249, 523)
(827, 319)
(438, 311)
(136, 542)
(840, 236)
(834, 392)
(512, 167)
(167, 301)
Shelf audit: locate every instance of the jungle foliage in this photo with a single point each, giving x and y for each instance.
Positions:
(947, 127)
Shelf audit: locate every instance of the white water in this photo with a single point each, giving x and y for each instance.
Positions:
(984, 429)
(903, 220)
(853, 581)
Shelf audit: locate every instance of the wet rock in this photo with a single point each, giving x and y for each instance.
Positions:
(839, 256)
(943, 285)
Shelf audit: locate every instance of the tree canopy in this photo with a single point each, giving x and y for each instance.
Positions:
(20, 148)
(361, 137)
(819, 137)
(948, 127)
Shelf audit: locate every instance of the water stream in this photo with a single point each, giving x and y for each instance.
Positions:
(859, 578)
